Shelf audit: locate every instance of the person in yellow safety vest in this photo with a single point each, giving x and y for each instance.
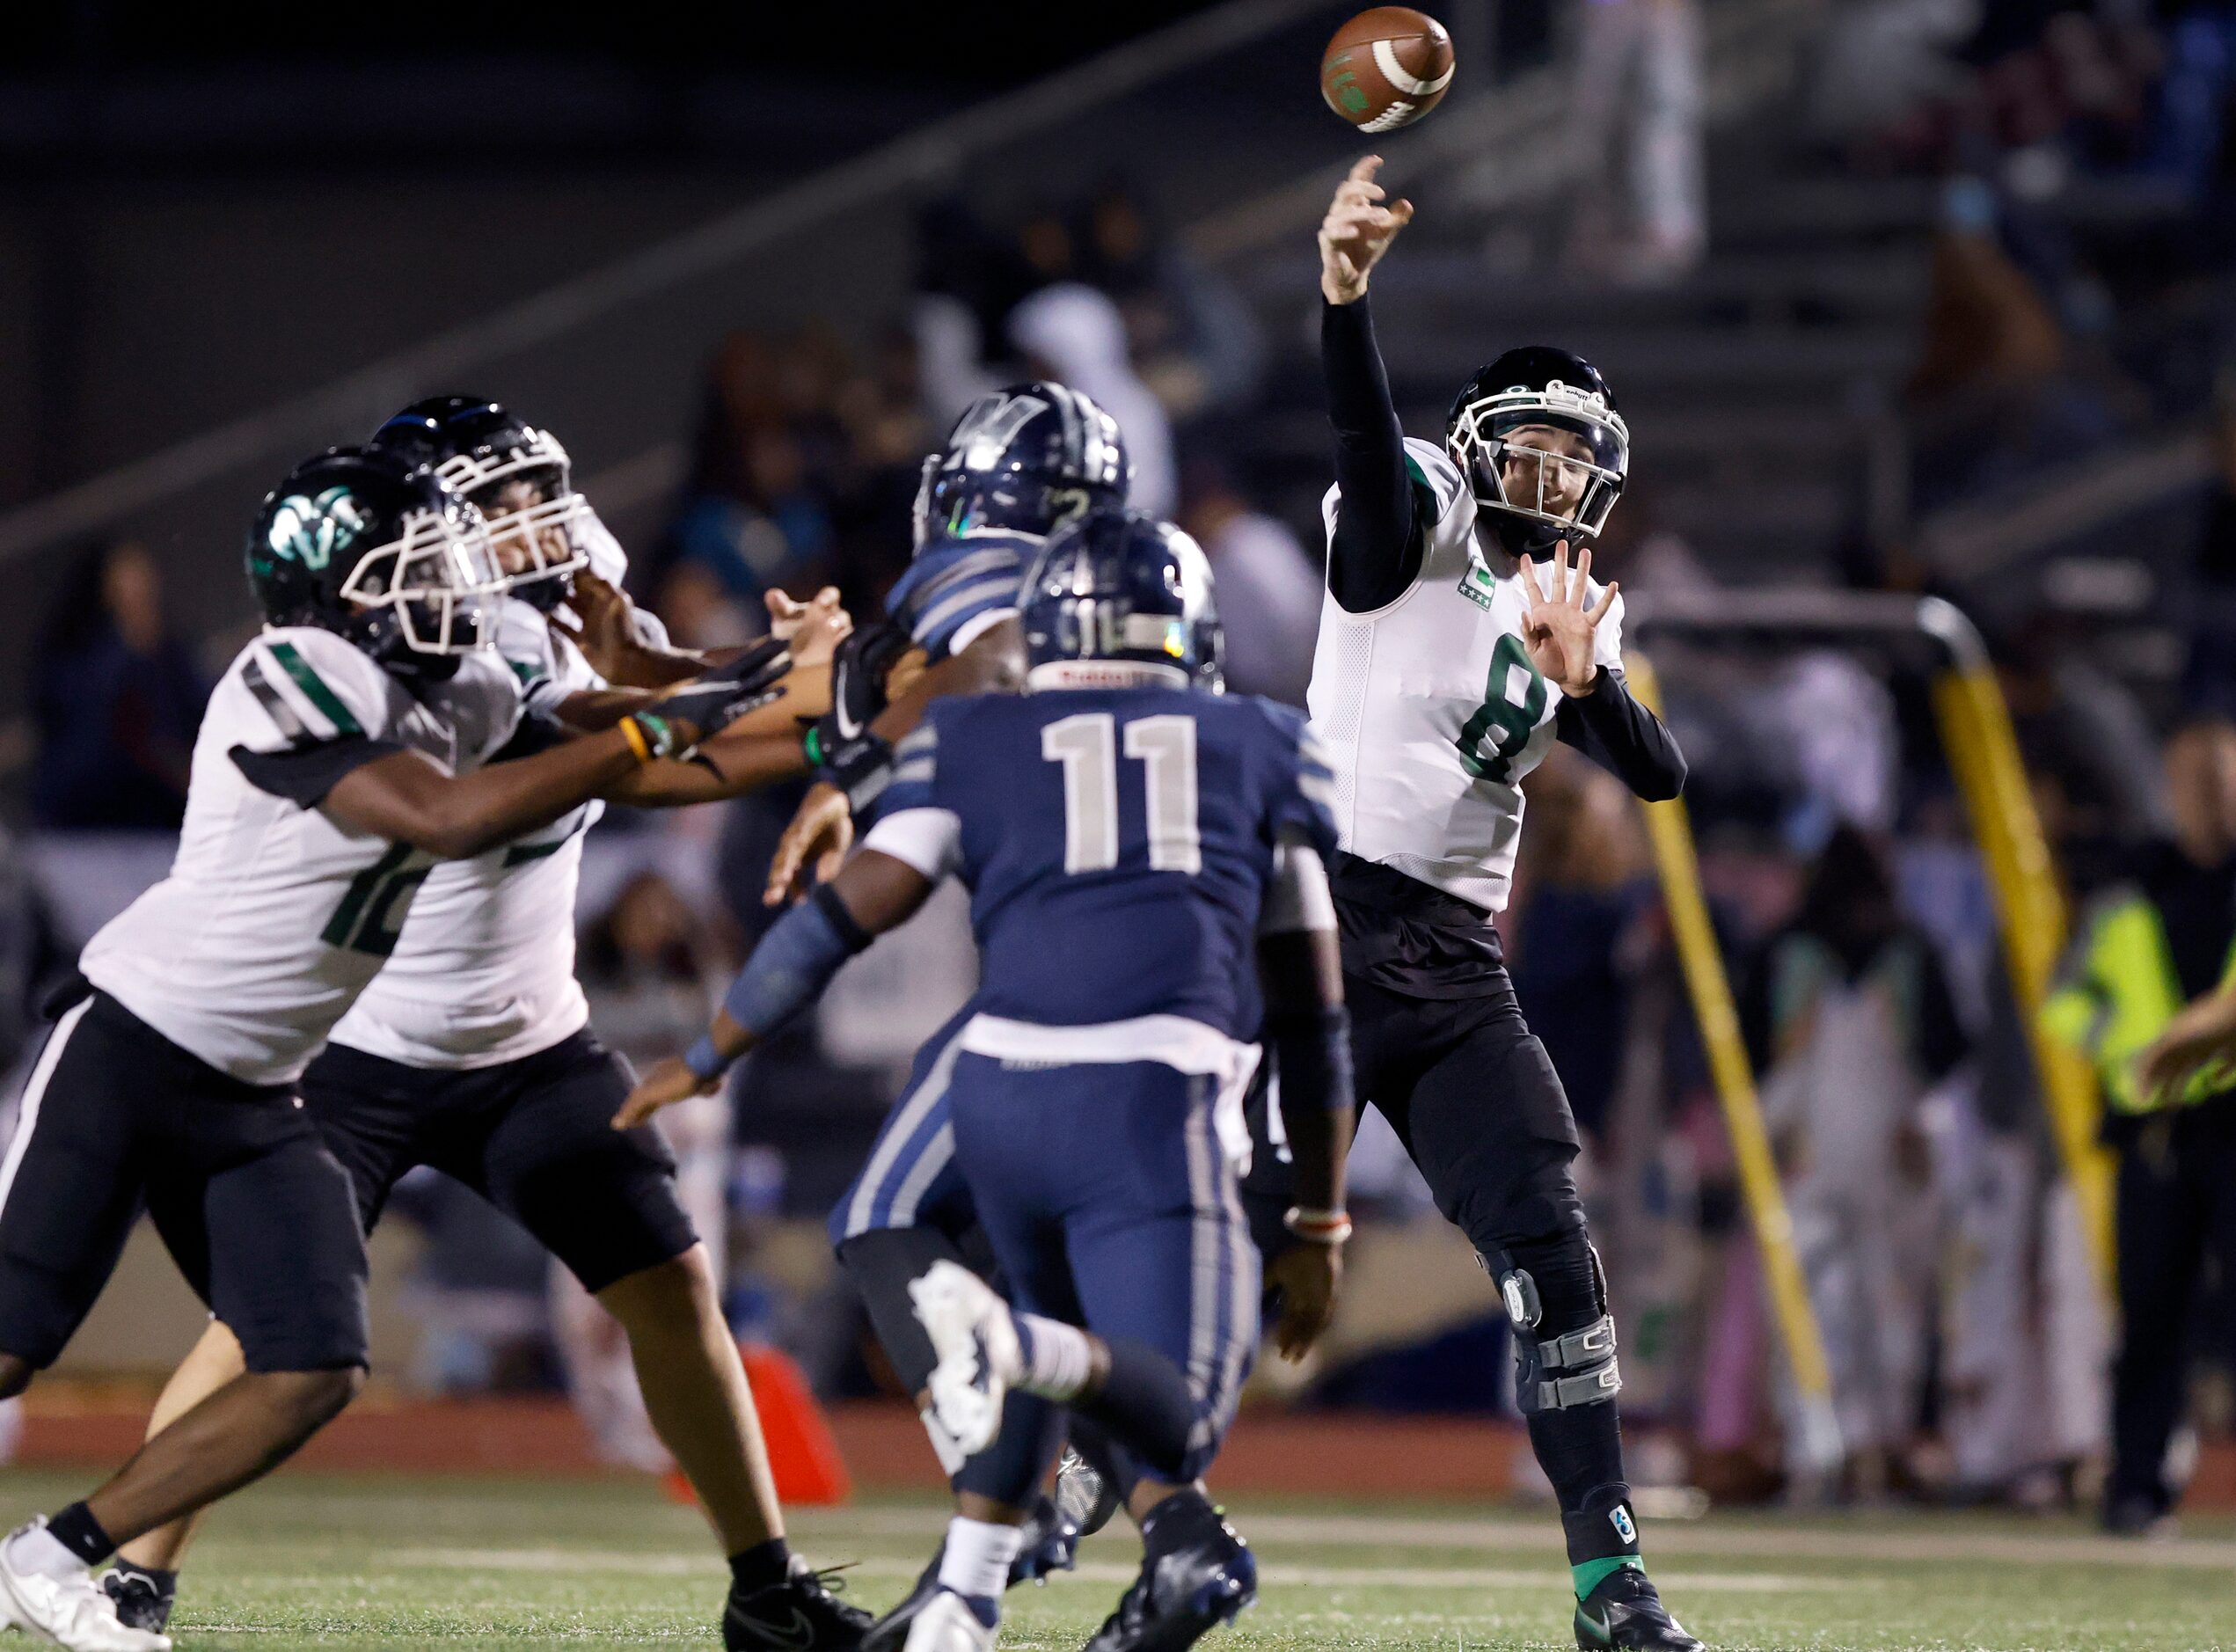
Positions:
(2162, 941)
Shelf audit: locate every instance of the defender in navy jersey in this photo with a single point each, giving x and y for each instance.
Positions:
(1145, 859)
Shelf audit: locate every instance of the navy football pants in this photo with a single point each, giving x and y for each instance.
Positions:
(1109, 1204)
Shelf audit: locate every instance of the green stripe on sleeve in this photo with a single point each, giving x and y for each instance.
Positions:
(315, 688)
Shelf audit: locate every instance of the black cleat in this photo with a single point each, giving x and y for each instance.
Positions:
(1051, 1545)
(1627, 1611)
(1085, 1498)
(801, 1614)
(1187, 1588)
(142, 1602)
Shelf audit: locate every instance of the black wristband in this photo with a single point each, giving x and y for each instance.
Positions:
(851, 934)
(860, 767)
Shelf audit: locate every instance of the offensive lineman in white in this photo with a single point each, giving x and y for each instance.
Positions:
(345, 751)
(471, 1049)
(1456, 643)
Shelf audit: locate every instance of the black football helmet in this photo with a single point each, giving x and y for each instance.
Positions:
(1120, 587)
(477, 447)
(1022, 460)
(1534, 494)
(368, 542)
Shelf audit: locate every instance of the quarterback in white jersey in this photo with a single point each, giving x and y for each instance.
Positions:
(1457, 642)
(471, 1049)
(347, 748)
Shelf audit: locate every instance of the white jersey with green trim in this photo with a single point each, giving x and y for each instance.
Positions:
(484, 972)
(275, 916)
(1428, 709)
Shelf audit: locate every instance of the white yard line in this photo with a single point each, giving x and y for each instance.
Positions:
(1821, 1540)
(622, 1560)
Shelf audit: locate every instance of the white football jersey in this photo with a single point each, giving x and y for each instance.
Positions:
(275, 916)
(484, 972)
(1429, 711)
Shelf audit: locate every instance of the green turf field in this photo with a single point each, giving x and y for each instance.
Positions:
(361, 1563)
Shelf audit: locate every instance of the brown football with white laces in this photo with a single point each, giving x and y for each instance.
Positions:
(1386, 67)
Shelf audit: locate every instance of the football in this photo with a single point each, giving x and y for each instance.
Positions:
(1386, 67)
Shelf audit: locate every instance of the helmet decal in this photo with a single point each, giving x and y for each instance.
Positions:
(310, 530)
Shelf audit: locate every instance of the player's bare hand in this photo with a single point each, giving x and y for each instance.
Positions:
(1306, 1277)
(821, 833)
(1557, 628)
(608, 620)
(815, 629)
(668, 1082)
(1356, 233)
(2202, 1033)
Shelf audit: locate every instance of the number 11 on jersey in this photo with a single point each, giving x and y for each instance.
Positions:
(1087, 745)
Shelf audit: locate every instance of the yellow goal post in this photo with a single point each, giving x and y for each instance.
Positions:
(1975, 724)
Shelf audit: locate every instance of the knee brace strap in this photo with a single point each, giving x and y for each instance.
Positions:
(1564, 1371)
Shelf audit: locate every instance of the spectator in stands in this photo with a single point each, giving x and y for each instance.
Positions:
(1072, 333)
(118, 698)
(2208, 606)
(1638, 90)
(1579, 889)
(1195, 339)
(1995, 393)
(1851, 1022)
(1270, 590)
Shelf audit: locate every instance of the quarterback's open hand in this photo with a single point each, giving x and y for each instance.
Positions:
(668, 1082)
(1356, 233)
(821, 833)
(1306, 1277)
(1557, 629)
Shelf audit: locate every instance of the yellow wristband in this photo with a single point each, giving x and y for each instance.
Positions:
(638, 745)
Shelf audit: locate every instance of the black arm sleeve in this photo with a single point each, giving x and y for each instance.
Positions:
(304, 774)
(536, 732)
(1377, 548)
(1610, 727)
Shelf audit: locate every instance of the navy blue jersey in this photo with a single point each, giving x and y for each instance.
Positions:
(1117, 843)
(956, 588)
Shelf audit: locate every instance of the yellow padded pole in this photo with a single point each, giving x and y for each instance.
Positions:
(2031, 910)
(1678, 863)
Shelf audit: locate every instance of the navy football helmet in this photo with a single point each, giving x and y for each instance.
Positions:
(1545, 454)
(1022, 460)
(369, 543)
(481, 449)
(1120, 587)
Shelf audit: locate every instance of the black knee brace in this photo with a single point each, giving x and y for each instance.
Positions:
(1563, 1338)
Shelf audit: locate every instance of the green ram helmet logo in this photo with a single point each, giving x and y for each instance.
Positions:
(310, 530)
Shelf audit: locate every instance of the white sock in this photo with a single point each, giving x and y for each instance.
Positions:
(1058, 1360)
(36, 1549)
(978, 1558)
